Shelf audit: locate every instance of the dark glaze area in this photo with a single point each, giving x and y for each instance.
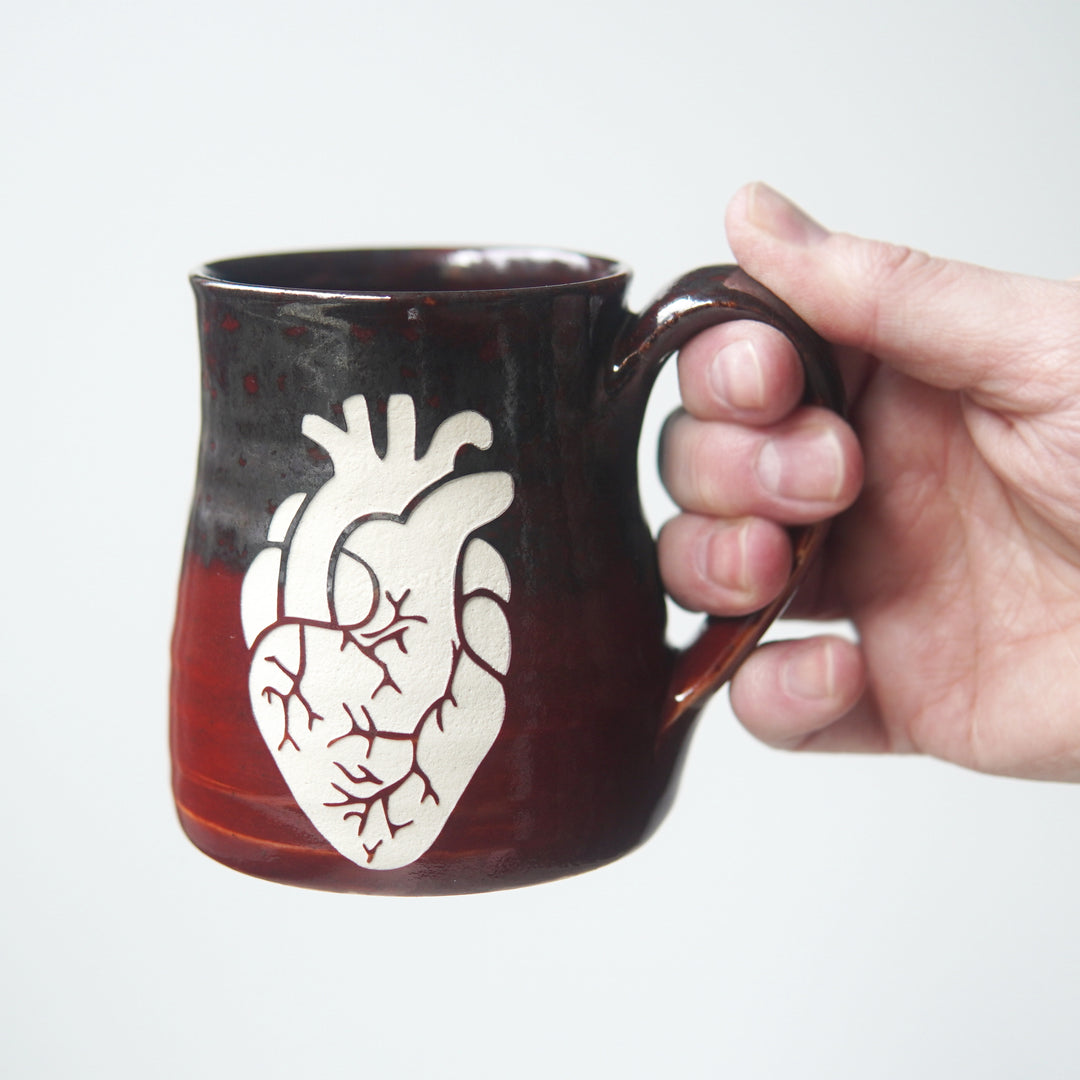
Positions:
(414, 271)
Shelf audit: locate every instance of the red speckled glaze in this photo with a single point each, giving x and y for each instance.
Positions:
(596, 707)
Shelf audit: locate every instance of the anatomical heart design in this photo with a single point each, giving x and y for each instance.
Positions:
(377, 633)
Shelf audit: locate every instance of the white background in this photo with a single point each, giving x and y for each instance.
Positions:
(796, 916)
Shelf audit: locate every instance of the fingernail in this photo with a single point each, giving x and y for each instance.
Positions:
(811, 673)
(781, 218)
(807, 467)
(735, 376)
(723, 561)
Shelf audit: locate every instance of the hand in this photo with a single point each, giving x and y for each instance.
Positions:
(959, 560)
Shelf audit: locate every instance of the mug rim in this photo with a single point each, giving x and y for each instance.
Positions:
(582, 269)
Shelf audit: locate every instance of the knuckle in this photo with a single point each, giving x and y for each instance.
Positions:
(684, 459)
(884, 262)
(699, 473)
(893, 277)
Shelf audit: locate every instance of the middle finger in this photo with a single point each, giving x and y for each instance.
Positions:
(805, 468)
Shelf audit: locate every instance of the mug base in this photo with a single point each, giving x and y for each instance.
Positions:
(431, 875)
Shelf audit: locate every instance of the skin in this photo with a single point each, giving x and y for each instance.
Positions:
(956, 552)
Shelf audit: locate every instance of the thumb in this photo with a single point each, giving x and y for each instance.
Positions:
(949, 324)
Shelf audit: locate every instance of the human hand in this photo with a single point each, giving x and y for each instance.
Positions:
(958, 562)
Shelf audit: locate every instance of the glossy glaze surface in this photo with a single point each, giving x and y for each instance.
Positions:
(595, 706)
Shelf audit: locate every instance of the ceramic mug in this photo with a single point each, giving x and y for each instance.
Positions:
(419, 644)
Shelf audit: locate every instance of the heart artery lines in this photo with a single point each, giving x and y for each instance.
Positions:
(376, 623)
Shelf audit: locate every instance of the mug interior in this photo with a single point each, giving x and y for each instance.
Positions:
(412, 270)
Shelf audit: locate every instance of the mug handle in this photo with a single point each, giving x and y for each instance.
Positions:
(702, 298)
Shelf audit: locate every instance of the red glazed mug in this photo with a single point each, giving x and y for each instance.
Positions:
(419, 644)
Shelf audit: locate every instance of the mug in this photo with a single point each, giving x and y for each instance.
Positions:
(419, 643)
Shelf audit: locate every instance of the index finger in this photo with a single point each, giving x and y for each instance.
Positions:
(740, 372)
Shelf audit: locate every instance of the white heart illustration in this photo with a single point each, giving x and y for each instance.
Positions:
(377, 634)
